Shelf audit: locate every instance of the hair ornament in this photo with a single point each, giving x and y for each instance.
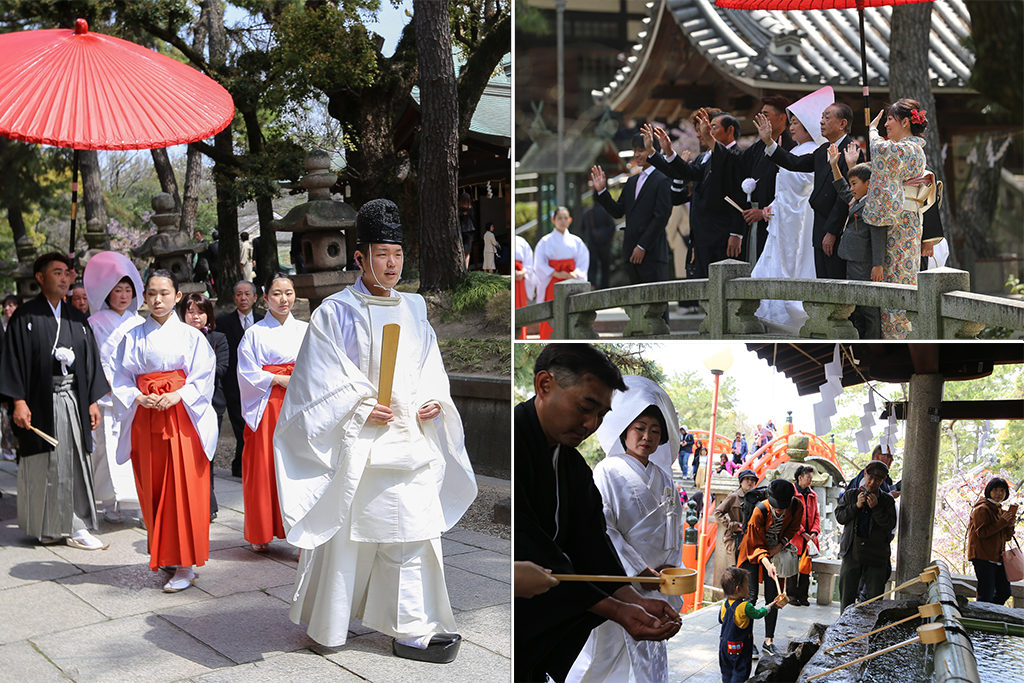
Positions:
(917, 116)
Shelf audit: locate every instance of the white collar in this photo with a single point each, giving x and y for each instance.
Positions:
(245, 316)
(360, 287)
(646, 171)
(55, 309)
(731, 145)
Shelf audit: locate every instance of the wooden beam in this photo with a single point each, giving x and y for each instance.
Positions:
(1009, 409)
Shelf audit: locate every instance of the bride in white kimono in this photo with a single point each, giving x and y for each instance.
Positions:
(640, 437)
(789, 251)
(114, 289)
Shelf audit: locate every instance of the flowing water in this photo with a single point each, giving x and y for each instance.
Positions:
(1000, 658)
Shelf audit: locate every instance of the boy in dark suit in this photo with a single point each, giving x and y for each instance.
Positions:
(863, 245)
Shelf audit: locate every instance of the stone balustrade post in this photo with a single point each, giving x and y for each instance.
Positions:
(931, 286)
(561, 324)
(725, 317)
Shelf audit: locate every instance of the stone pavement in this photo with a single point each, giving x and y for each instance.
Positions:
(693, 652)
(97, 617)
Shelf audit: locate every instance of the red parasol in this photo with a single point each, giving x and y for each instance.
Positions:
(92, 91)
(859, 5)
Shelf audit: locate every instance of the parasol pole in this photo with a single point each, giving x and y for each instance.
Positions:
(74, 199)
(864, 77)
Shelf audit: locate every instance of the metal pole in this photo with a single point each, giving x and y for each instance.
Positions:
(701, 559)
(560, 33)
(864, 78)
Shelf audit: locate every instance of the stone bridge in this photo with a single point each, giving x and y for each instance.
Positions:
(940, 307)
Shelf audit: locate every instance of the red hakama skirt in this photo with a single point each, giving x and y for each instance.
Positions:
(259, 478)
(561, 266)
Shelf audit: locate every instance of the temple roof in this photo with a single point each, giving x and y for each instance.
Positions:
(794, 49)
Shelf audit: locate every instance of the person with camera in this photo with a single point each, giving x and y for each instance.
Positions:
(990, 529)
(868, 515)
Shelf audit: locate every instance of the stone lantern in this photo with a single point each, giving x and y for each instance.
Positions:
(324, 224)
(96, 237)
(28, 288)
(171, 249)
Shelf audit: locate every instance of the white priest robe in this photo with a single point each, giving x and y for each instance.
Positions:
(558, 246)
(644, 519)
(111, 482)
(367, 503)
(152, 347)
(524, 254)
(267, 342)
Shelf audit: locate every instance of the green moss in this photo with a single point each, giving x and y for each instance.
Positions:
(477, 356)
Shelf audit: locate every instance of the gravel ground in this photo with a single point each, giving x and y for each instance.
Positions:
(479, 517)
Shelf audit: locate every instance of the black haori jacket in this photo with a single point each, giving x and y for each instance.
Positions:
(27, 367)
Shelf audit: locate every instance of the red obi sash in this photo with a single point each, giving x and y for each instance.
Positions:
(566, 265)
(161, 383)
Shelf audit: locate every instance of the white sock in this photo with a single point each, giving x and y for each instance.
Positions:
(418, 642)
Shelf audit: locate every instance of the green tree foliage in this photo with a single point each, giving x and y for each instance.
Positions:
(997, 42)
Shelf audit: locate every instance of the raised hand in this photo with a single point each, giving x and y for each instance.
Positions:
(664, 140)
(876, 120)
(764, 128)
(648, 135)
(686, 155)
(833, 155)
(597, 177)
(704, 127)
(852, 154)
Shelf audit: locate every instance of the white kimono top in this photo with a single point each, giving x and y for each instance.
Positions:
(110, 328)
(152, 347)
(558, 246)
(405, 481)
(524, 254)
(268, 342)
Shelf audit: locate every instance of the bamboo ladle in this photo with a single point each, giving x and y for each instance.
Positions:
(927, 576)
(932, 609)
(781, 599)
(673, 581)
(928, 634)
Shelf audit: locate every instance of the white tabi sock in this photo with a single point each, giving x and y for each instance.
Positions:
(418, 642)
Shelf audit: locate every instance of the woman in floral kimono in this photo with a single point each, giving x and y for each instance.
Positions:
(895, 162)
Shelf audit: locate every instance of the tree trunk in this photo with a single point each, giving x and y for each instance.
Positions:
(908, 77)
(193, 160)
(441, 261)
(978, 203)
(230, 268)
(165, 174)
(92, 187)
(190, 202)
(266, 259)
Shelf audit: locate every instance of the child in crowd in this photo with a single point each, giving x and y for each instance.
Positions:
(736, 648)
(863, 245)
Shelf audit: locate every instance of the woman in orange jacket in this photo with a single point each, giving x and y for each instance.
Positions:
(989, 530)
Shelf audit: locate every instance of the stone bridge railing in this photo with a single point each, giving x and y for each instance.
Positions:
(940, 307)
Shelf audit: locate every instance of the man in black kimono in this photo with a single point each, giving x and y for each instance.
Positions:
(50, 371)
(560, 522)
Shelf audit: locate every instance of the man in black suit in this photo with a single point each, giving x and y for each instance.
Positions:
(646, 202)
(829, 214)
(753, 163)
(717, 230)
(234, 325)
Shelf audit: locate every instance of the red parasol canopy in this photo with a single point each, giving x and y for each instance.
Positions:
(92, 91)
(810, 4)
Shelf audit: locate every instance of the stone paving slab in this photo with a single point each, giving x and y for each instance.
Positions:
(370, 658)
(139, 649)
(229, 495)
(21, 565)
(451, 548)
(20, 662)
(472, 591)
(492, 565)
(244, 627)
(129, 590)
(127, 546)
(223, 536)
(41, 608)
(292, 667)
(489, 627)
(478, 540)
(233, 519)
(238, 570)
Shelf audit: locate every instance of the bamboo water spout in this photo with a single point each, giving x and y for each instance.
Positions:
(932, 609)
(928, 634)
(927, 576)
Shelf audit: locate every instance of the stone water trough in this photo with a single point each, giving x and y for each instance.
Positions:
(983, 643)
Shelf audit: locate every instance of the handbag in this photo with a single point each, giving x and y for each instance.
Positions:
(805, 561)
(786, 561)
(1013, 563)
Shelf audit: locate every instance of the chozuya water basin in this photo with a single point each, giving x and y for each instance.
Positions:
(966, 654)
